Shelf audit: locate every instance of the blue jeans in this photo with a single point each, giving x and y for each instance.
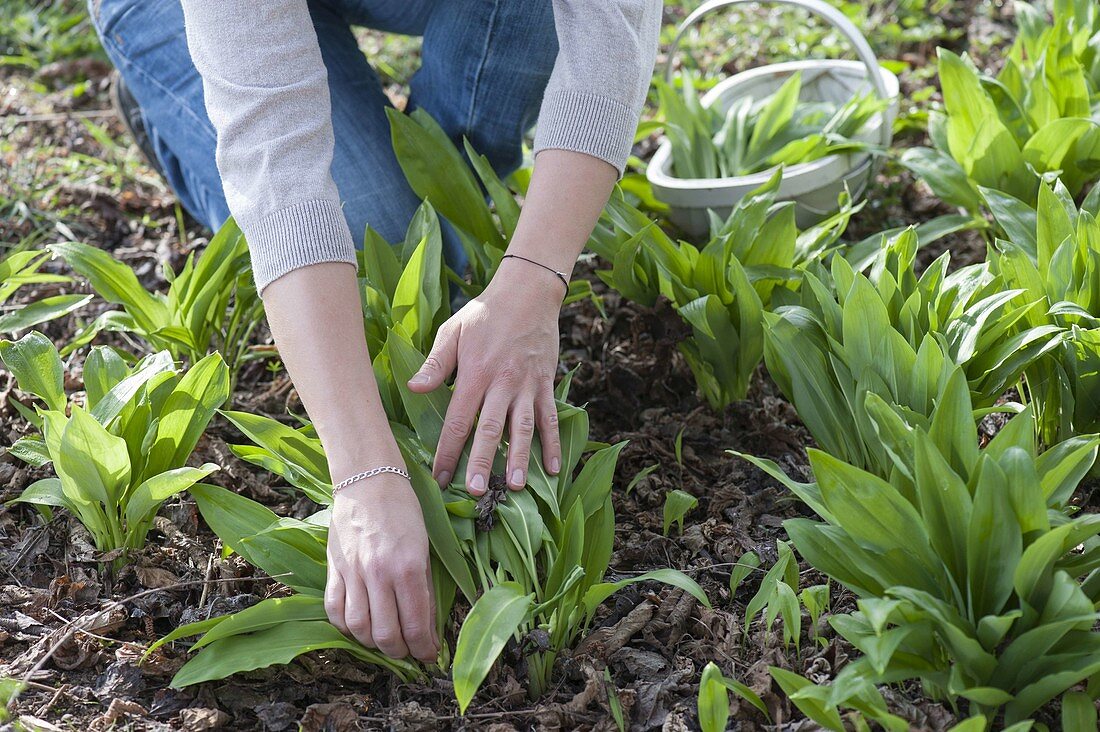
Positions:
(485, 64)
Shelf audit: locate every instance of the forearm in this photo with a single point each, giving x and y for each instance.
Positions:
(567, 193)
(317, 321)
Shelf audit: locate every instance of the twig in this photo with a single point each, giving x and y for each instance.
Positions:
(57, 116)
(45, 708)
(96, 636)
(206, 578)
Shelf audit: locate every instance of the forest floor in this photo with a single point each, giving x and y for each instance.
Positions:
(68, 171)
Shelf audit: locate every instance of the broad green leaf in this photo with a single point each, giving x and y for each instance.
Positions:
(494, 618)
(265, 614)
(791, 683)
(93, 464)
(437, 172)
(290, 445)
(276, 645)
(37, 368)
(241, 524)
(115, 282)
(40, 311)
(187, 412)
(713, 700)
(147, 497)
(1078, 713)
(742, 568)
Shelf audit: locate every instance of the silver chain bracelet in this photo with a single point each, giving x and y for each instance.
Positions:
(369, 474)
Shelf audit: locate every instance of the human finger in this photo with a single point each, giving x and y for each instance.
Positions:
(440, 363)
(521, 430)
(385, 621)
(487, 437)
(461, 413)
(415, 610)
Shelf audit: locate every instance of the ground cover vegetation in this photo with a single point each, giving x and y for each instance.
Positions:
(840, 476)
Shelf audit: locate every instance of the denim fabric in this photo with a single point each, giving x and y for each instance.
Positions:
(485, 65)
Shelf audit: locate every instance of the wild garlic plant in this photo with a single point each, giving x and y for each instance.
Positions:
(1053, 256)
(211, 303)
(890, 333)
(123, 452)
(1034, 121)
(752, 261)
(976, 574)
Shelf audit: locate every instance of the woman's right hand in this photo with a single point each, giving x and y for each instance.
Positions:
(379, 588)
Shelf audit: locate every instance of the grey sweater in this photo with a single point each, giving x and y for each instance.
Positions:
(266, 93)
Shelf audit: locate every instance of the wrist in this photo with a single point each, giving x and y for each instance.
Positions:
(534, 283)
(354, 456)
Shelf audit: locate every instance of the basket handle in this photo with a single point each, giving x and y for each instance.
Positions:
(820, 8)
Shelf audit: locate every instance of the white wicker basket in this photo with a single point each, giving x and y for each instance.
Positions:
(813, 186)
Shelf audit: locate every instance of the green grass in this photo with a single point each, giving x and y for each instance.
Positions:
(34, 34)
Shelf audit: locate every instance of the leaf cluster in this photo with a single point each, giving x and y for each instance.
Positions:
(753, 260)
(892, 334)
(123, 453)
(752, 136)
(974, 575)
(531, 564)
(1052, 254)
(1033, 121)
(211, 303)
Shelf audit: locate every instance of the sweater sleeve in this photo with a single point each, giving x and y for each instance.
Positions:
(266, 93)
(606, 53)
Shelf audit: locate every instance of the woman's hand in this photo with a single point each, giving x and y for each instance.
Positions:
(379, 587)
(504, 344)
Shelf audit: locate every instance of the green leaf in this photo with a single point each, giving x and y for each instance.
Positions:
(276, 645)
(441, 533)
(265, 614)
(494, 618)
(243, 525)
(37, 368)
(147, 497)
(1078, 712)
(44, 492)
(39, 311)
(596, 594)
(93, 464)
(115, 282)
(437, 172)
(993, 543)
(742, 568)
(677, 504)
(153, 369)
(288, 444)
(186, 413)
(713, 700)
(791, 683)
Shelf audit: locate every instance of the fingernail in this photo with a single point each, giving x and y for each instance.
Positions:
(555, 464)
(517, 478)
(477, 484)
(419, 379)
(444, 479)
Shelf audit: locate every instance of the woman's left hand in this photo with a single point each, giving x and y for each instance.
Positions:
(504, 344)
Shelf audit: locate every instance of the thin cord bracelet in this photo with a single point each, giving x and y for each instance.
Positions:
(560, 275)
(369, 474)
